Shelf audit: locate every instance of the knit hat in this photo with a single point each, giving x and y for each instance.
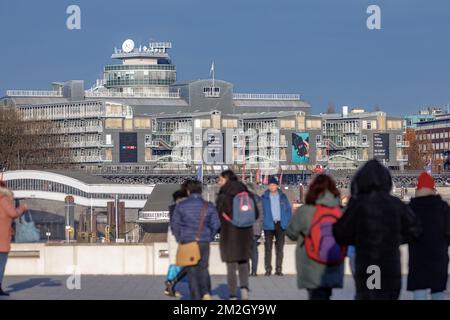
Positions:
(274, 180)
(425, 181)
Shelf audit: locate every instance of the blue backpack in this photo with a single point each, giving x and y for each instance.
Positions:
(244, 212)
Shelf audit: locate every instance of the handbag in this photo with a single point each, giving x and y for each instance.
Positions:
(26, 231)
(188, 254)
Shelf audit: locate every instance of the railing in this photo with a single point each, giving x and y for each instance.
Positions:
(212, 94)
(33, 93)
(264, 96)
(403, 144)
(109, 94)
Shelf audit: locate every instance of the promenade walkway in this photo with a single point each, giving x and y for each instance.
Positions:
(151, 288)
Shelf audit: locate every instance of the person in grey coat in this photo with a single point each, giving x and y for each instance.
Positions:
(257, 229)
(318, 279)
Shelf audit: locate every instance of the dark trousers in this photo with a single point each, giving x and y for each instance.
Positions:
(255, 254)
(199, 279)
(3, 260)
(233, 268)
(319, 294)
(279, 235)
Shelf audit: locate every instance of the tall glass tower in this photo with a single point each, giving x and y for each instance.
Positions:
(144, 69)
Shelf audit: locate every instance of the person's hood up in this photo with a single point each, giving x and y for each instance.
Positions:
(372, 177)
(328, 199)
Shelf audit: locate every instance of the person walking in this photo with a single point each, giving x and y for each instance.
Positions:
(175, 273)
(257, 229)
(319, 278)
(277, 213)
(235, 243)
(195, 219)
(428, 255)
(376, 223)
(7, 215)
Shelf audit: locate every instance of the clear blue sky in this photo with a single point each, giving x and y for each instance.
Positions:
(319, 48)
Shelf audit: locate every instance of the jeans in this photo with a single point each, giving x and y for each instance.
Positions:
(423, 295)
(199, 279)
(3, 260)
(279, 235)
(232, 269)
(255, 254)
(319, 294)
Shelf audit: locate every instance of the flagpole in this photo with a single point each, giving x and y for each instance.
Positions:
(213, 74)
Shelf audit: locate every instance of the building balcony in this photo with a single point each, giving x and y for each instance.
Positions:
(403, 144)
(212, 94)
(403, 158)
(83, 159)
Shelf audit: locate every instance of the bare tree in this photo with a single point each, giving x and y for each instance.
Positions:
(419, 151)
(30, 144)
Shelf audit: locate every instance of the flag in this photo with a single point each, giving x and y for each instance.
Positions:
(266, 178)
(211, 71)
(200, 173)
(429, 167)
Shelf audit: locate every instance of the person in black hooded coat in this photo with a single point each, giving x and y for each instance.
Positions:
(376, 224)
(428, 255)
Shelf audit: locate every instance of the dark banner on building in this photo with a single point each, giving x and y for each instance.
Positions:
(381, 146)
(214, 147)
(128, 148)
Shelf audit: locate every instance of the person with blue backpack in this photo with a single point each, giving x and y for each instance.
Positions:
(238, 214)
(277, 214)
(320, 260)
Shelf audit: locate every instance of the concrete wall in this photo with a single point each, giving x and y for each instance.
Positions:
(124, 259)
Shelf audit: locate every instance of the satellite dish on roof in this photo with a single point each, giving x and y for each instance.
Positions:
(128, 46)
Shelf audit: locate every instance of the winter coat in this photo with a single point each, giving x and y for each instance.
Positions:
(186, 219)
(311, 274)
(376, 223)
(235, 243)
(286, 211)
(258, 226)
(428, 255)
(7, 215)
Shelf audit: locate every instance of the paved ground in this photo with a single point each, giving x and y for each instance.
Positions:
(142, 288)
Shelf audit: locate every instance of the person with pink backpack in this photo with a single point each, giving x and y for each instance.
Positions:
(320, 260)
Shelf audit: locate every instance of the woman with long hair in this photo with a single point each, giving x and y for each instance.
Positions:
(317, 278)
(235, 243)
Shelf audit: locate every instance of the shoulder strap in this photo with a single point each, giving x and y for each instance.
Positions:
(202, 220)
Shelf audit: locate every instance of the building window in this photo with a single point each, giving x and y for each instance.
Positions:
(197, 139)
(399, 139)
(211, 92)
(318, 139)
(364, 139)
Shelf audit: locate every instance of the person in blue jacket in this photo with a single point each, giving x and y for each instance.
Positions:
(277, 214)
(185, 224)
